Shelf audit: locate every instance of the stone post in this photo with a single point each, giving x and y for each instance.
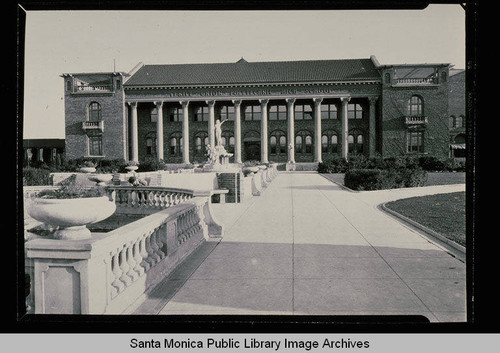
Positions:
(345, 126)
(263, 133)
(291, 130)
(185, 132)
(317, 130)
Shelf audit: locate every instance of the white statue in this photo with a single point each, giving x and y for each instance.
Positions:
(218, 132)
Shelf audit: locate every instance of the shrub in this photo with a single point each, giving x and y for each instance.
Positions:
(36, 176)
(334, 165)
(431, 164)
(151, 164)
(363, 179)
(358, 161)
(380, 179)
(111, 165)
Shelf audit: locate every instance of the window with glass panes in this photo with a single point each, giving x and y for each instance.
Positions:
(228, 141)
(226, 112)
(175, 114)
(151, 143)
(354, 111)
(303, 112)
(277, 143)
(252, 112)
(355, 142)
(200, 114)
(415, 141)
(277, 112)
(329, 111)
(329, 142)
(154, 115)
(415, 106)
(175, 147)
(95, 145)
(303, 142)
(200, 143)
(94, 111)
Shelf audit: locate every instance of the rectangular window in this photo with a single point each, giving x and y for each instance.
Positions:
(201, 114)
(154, 115)
(415, 142)
(175, 114)
(328, 111)
(68, 85)
(95, 145)
(253, 112)
(303, 112)
(354, 111)
(227, 113)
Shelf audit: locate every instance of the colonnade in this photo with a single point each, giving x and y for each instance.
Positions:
(264, 128)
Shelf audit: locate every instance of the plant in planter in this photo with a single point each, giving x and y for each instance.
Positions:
(87, 167)
(71, 208)
(132, 166)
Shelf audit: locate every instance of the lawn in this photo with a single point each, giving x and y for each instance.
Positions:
(443, 213)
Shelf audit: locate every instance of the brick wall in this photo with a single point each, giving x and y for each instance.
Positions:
(112, 112)
(231, 182)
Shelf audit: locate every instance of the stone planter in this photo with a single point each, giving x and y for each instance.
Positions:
(87, 169)
(71, 215)
(101, 179)
(132, 168)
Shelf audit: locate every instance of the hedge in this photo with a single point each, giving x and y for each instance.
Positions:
(380, 179)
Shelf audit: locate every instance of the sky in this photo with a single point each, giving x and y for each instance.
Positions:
(58, 42)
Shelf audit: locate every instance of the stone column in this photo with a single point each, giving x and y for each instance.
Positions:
(135, 138)
(345, 126)
(185, 132)
(211, 123)
(372, 122)
(317, 130)
(237, 131)
(263, 131)
(291, 130)
(159, 131)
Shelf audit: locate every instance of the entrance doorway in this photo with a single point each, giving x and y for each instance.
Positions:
(252, 150)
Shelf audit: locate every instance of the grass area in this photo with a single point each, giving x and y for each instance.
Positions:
(432, 178)
(443, 213)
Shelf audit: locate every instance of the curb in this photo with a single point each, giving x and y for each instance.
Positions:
(459, 250)
(340, 185)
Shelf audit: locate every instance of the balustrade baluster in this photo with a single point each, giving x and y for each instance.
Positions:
(160, 241)
(117, 284)
(125, 278)
(150, 259)
(138, 258)
(131, 263)
(144, 254)
(154, 246)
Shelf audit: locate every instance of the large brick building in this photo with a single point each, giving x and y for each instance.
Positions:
(290, 111)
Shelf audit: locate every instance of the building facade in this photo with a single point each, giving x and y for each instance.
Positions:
(293, 111)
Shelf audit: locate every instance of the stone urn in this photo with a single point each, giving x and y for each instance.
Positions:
(132, 168)
(101, 179)
(71, 216)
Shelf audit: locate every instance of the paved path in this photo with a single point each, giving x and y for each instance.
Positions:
(309, 247)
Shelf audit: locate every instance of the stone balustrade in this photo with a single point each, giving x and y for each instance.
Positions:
(147, 199)
(111, 272)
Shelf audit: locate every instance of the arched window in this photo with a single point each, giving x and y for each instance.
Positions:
(460, 121)
(277, 141)
(355, 142)
(200, 143)
(329, 142)
(228, 141)
(415, 106)
(387, 78)
(303, 142)
(94, 111)
(175, 146)
(150, 143)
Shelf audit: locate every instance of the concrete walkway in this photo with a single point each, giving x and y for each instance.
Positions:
(309, 247)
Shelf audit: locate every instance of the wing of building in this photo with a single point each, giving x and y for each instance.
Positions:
(286, 111)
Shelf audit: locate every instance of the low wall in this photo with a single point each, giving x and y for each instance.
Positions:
(113, 271)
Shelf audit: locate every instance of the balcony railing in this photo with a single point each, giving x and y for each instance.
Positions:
(97, 88)
(93, 125)
(415, 120)
(415, 81)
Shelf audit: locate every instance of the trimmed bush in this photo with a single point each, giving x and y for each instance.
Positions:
(36, 176)
(334, 165)
(151, 164)
(380, 179)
